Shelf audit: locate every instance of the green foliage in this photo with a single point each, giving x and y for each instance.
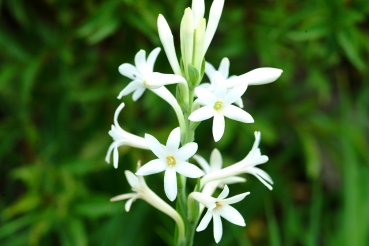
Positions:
(58, 88)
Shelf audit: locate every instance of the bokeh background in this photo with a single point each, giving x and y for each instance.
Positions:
(58, 88)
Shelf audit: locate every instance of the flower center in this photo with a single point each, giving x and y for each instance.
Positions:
(218, 106)
(218, 204)
(171, 161)
(145, 83)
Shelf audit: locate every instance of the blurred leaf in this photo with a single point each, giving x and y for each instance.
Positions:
(351, 50)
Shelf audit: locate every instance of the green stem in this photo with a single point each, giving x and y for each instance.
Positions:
(187, 137)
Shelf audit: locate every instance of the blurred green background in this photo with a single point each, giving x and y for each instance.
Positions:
(58, 88)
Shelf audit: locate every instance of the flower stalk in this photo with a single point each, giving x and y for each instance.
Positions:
(193, 103)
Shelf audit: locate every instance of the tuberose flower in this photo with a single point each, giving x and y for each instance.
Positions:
(257, 76)
(247, 165)
(172, 159)
(217, 208)
(121, 137)
(143, 75)
(219, 104)
(142, 191)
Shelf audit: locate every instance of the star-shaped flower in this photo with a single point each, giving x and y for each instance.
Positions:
(219, 207)
(218, 104)
(172, 159)
(143, 75)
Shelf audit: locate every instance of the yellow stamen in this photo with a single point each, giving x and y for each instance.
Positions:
(171, 161)
(218, 106)
(218, 204)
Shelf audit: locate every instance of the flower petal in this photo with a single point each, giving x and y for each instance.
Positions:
(134, 85)
(261, 178)
(152, 58)
(224, 193)
(218, 126)
(202, 162)
(231, 180)
(217, 224)
(263, 174)
(235, 113)
(206, 96)
(239, 102)
(128, 204)
(155, 146)
(153, 166)
(173, 141)
(140, 61)
(166, 39)
(122, 197)
(186, 151)
(204, 199)
(214, 17)
(209, 70)
(232, 215)
(235, 93)
(224, 67)
(198, 10)
(138, 93)
(261, 76)
(129, 71)
(216, 160)
(115, 157)
(131, 178)
(235, 199)
(156, 80)
(201, 114)
(170, 183)
(189, 170)
(220, 89)
(205, 221)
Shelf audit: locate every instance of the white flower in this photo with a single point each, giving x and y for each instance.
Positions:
(216, 163)
(139, 187)
(219, 207)
(142, 191)
(143, 75)
(121, 137)
(255, 77)
(247, 165)
(219, 104)
(172, 159)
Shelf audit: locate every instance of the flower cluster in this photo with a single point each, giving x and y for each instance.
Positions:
(194, 102)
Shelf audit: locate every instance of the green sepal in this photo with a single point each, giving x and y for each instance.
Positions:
(193, 76)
